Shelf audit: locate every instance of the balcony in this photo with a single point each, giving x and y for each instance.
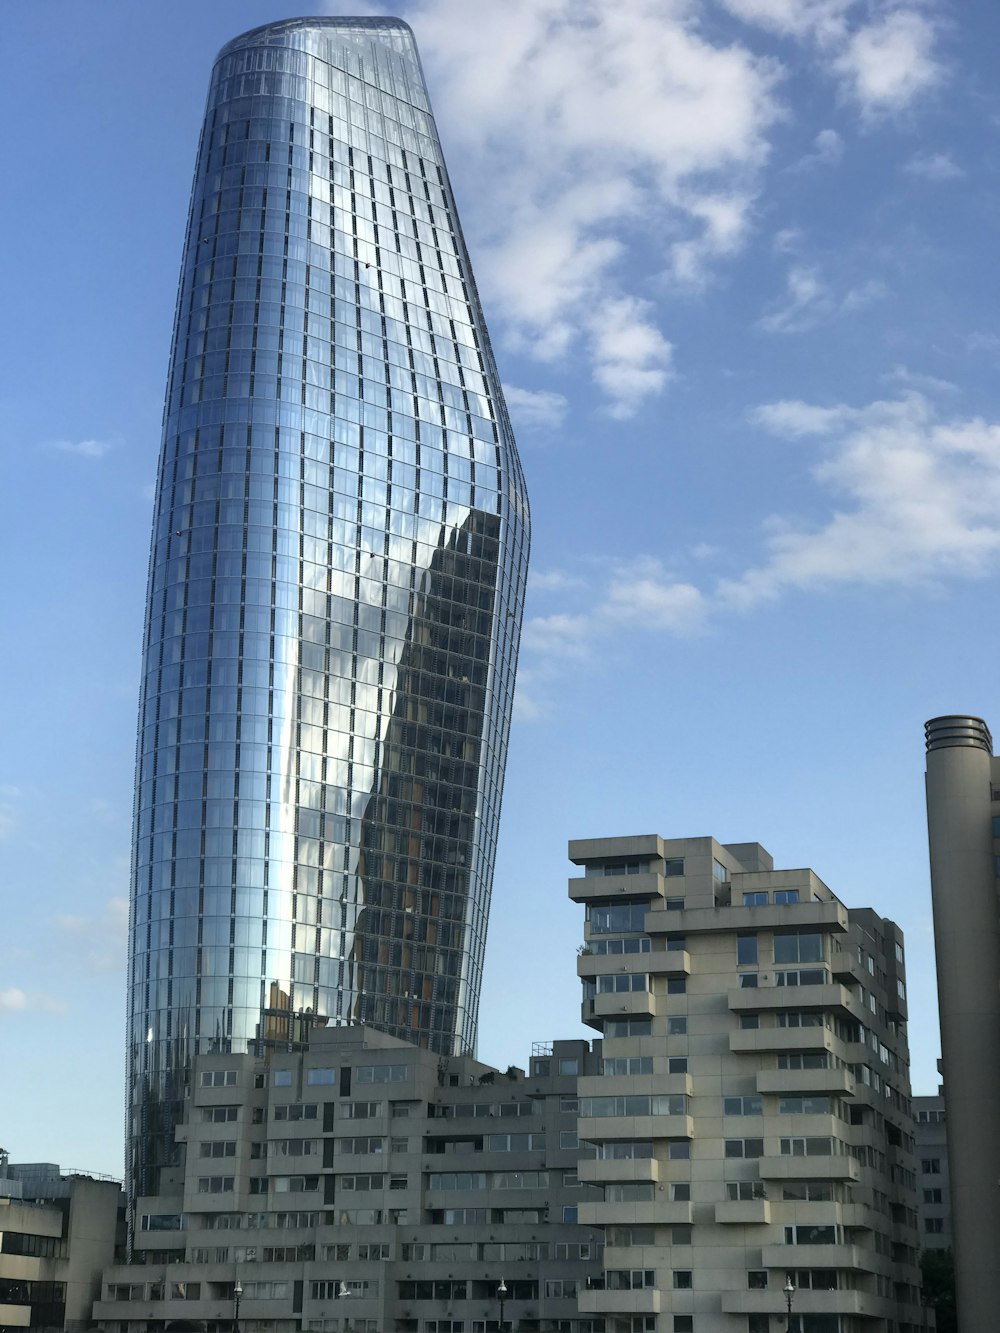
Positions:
(743, 1212)
(662, 963)
(644, 1301)
(851, 1257)
(600, 1171)
(752, 1041)
(601, 1129)
(772, 1301)
(622, 1004)
(790, 1082)
(838, 1167)
(608, 888)
(830, 997)
(661, 1212)
(831, 916)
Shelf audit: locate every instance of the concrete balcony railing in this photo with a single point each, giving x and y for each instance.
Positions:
(837, 1167)
(600, 1172)
(611, 888)
(852, 1257)
(622, 1004)
(602, 1129)
(755, 1040)
(644, 1301)
(830, 997)
(662, 963)
(772, 1302)
(661, 1212)
(743, 1212)
(15, 1316)
(828, 916)
(790, 1082)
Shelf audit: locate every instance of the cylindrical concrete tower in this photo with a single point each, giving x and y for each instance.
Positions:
(962, 776)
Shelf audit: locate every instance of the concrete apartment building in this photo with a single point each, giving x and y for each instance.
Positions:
(963, 828)
(752, 1123)
(57, 1233)
(934, 1185)
(365, 1185)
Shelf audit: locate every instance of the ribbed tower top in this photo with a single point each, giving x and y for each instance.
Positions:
(279, 30)
(955, 729)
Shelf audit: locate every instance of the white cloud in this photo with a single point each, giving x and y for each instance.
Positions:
(808, 300)
(13, 1000)
(887, 64)
(916, 500)
(591, 129)
(933, 167)
(535, 409)
(881, 54)
(98, 940)
(903, 497)
(827, 150)
(90, 449)
(631, 358)
(553, 580)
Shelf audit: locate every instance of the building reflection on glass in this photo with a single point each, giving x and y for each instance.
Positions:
(336, 584)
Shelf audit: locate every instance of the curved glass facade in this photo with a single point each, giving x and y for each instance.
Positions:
(336, 583)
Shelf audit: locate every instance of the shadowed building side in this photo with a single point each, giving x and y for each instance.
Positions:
(963, 805)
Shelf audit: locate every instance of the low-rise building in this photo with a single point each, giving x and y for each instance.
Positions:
(57, 1233)
(362, 1185)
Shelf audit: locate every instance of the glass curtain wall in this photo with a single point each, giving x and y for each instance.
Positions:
(336, 584)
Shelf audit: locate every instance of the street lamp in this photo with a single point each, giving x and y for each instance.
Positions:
(237, 1293)
(501, 1297)
(789, 1290)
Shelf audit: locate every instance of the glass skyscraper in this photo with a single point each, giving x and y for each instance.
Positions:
(336, 584)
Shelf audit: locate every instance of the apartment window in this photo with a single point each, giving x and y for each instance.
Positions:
(746, 949)
(811, 1191)
(755, 899)
(219, 1115)
(677, 1064)
(934, 1226)
(801, 976)
(680, 1191)
(297, 1111)
(617, 920)
(933, 1196)
(742, 1106)
(749, 1022)
(680, 1235)
(748, 981)
(570, 1064)
(215, 1184)
(218, 1078)
(630, 1279)
(676, 985)
(628, 1027)
(321, 1077)
(758, 1323)
(798, 947)
(744, 1147)
(783, 897)
(282, 1078)
(807, 1147)
(683, 1323)
(757, 1279)
(804, 1018)
(569, 1212)
(719, 872)
(931, 1166)
(745, 1191)
(381, 1073)
(811, 1235)
(682, 1279)
(677, 1026)
(804, 1060)
(676, 943)
(568, 1138)
(679, 1150)
(220, 1148)
(673, 866)
(626, 1064)
(805, 1106)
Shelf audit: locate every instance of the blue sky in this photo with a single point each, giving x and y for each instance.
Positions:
(738, 261)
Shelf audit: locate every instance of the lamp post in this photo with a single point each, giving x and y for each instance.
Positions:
(237, 1293)
(501, 1297)
(789, 1290)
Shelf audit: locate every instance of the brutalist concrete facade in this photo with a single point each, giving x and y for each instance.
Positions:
(752, 1121)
